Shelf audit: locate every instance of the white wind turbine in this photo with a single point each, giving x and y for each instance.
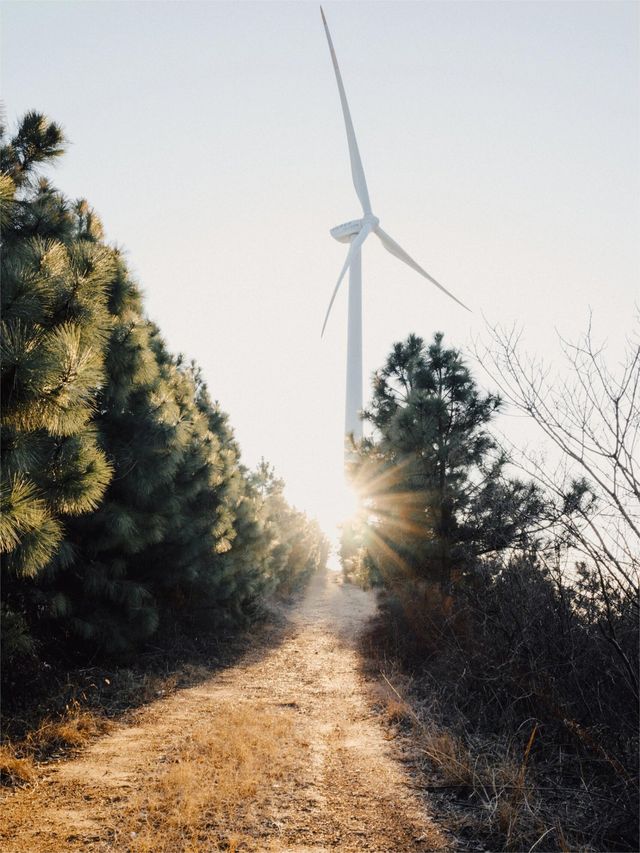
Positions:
(355, 233)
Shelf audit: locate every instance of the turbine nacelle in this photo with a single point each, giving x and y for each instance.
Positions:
(348, 230)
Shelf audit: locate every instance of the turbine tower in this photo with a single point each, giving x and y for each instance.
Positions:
(355, 233)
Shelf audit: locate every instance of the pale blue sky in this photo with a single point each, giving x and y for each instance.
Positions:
(500, 143)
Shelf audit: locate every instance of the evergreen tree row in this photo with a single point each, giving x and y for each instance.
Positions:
(125, 507)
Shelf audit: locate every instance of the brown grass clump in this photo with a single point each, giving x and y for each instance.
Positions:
(448, 754)
(15, 771)
(397, 713)
(74, 729)
(395, 710)
(211, 783)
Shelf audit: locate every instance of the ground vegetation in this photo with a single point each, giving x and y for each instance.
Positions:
(508, 589)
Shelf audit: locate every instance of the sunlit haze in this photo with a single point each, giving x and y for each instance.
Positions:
(500, 144)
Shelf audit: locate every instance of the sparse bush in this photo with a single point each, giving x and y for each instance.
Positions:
(511, 658)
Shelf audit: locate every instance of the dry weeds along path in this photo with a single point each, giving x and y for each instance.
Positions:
(281, 752)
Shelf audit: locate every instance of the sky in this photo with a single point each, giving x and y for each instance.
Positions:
(500, 141)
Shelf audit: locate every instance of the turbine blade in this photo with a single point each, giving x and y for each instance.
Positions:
(357, 241)
(391, 246)
(357, 172)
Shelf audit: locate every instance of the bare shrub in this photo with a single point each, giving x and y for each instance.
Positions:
(516, 703)
(591, 418)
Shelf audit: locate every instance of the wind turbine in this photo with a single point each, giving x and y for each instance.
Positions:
(355, 233)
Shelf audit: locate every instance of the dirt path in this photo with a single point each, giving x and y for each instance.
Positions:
(329, 778)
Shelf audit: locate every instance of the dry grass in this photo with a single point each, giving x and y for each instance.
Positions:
(75, 728)
(15, 771)
(393, 708)
(449, 755)
(490, 776)
(397, 713)
(82, 708)
(212, 784)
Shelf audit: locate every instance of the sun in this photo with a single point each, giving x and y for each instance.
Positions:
(347, 503)
(338, 505)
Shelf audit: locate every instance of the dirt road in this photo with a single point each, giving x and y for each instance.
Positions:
(281, 752)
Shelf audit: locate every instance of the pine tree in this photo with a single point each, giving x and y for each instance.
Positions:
(54, 326)
(432, 475)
